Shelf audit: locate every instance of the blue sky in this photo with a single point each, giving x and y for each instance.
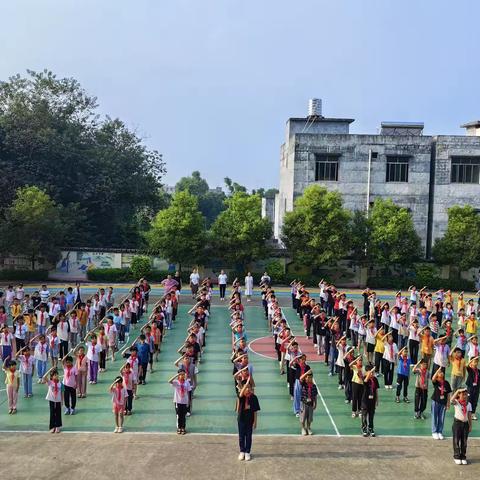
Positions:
(211, 83)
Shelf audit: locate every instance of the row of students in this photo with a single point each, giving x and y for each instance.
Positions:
(247, 405)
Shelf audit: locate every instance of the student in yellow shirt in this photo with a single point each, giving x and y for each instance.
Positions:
(460, 302)
(459, 369)
(30, 321)
(426, 341)
(471, 325)
(15, 308)
(379, 349)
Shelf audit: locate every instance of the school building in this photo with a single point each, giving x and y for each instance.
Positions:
(426, 174)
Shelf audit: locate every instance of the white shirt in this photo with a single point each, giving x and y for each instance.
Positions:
(222, 279)
(194, 278)
(458, 414)
(20, 293)
(62, 331)
(51, 396)
(93, 351)
(9, 295)
(441, 355)
(177, 395)
(44, 295)
(40, 352)
(390, 352)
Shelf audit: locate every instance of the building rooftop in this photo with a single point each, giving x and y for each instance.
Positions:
(474, 123)
(319, 119)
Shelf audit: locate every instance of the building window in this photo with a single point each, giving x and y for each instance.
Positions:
(465, 170)
(326, 168)
(397, 169)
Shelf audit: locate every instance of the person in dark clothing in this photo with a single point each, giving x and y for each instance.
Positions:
(247, 408)
(369, 401)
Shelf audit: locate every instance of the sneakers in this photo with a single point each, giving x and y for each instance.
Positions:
(372, 433)
(354, 414)
(241, 456)
(474, 417)
(120, 429)
(116, 430)
(435, 436)
(397, 399)
(297, 415)
(67, 411)
(457, 461)
(304, 432)
(188, 414)
(340, 387)
(247, 457)
(464, 461)
(309, 431)
(440, 436)
(365, 434)
(406, 400)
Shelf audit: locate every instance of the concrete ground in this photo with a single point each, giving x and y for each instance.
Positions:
(106, 456)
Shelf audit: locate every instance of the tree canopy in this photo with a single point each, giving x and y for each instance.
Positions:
(34, 226)
(178, 232)
(460, 246)
(239, 234)
(393, 239)
(316, 231)
(52, 136)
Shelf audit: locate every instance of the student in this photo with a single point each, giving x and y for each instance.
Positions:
(357, 385)
(441, 358)
(12, 382)
(93, 352)
(473, 384)
(41, 356)
(53, 346)
(181, 388)
(403, 375)
(127, 376)
(246, 408)
(389, 361)
(19, 332)
(143, 349)
(119, 396)
(74, 328)
(63, 332)
(440, 403)
(421, 388)
(462, 425)
(42, 316)
(27, 368)
(300, 368)
(111, 340)
(102, 342)
(6, 343)
(369, 401)
(309, 402)
(55, 399)
(70, 385)
(82, 368)
(459, 369)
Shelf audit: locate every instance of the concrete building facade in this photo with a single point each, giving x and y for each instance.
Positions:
(426, 174)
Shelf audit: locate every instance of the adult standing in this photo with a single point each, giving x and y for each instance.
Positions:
(194, 282)
(265, 280)
(249, 286)
(78, 293)
(169, 284)
(222, 284)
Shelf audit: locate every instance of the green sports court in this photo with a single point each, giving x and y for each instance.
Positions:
(213, 405)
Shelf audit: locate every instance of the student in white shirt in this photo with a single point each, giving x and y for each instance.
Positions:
(462, 425)
(55, 398)
(181, 398)
(194, 282)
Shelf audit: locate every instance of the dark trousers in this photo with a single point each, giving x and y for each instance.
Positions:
(357, 390)
(70, 395)
(348, 387)
(378, 362)
(388, 368)
(420, 400)
(20, 343)
(368, 413)
(103, 312)
(473, 393)
(413, 349)
(223, 288)
(143, 372)
(245, 431)
(181, 409)
(402, 380)
(55, 414)
(460, 438)
(293, 300)
(63, 348)
(308, 324)
(102, 357)
(394, 333)
(129, 403)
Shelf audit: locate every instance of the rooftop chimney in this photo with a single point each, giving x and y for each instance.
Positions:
(315, 107)
(473, 128)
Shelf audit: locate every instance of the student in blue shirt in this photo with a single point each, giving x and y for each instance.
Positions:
(70, 299)
(403, 374)
(143, 356)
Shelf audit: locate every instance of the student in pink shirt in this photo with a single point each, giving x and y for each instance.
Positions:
(70, 384)
(119, 395)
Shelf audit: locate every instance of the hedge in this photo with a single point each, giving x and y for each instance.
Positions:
(24, 275)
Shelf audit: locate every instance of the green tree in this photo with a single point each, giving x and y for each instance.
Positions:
(210, 202)
(195, 184)
(233, 187)
(460, 246)
(141, 266)
(393, 239)
(316, 231)
(360, 239)
(51, 136)
(34, 225)
(178, 232)
(239, 234)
